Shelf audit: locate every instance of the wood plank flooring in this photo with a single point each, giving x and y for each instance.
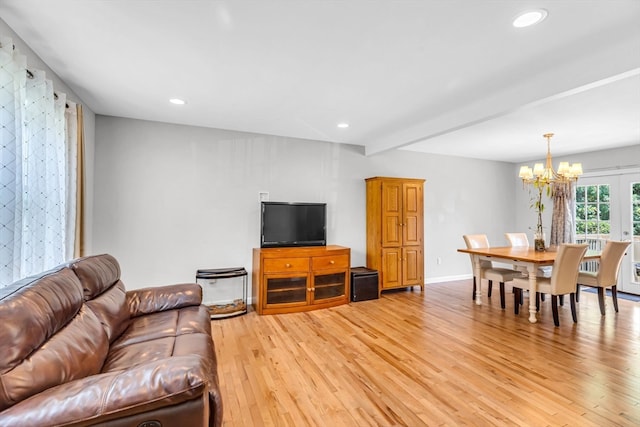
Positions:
(432, 359)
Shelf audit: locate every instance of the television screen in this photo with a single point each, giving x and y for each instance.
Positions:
(293, 224)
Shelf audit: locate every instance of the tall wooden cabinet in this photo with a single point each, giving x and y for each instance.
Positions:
(395, 236)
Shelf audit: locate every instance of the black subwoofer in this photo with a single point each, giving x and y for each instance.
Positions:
(364, 284)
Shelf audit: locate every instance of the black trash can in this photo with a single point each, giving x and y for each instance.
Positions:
(364, 284)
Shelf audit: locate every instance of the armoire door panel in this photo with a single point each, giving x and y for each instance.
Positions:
(392, 214)
(392, 198)
(412, 214)
(392, 267)
(391, 234)
(412, 266)
(411, 230)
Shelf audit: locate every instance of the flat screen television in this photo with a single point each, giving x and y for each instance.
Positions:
(293, 224)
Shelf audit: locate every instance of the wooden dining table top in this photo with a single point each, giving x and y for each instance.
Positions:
(525, 254)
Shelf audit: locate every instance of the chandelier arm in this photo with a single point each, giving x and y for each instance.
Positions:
(549, 175)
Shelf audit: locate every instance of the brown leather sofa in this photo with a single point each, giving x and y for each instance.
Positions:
(77, 349)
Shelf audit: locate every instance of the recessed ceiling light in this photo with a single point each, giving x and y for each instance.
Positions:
(343, 125)
(177, 101)
(529, 18)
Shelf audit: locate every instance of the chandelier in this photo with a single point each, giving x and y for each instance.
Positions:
(544, 175)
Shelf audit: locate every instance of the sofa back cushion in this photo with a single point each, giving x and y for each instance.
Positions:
(47, 337)
(104, 292)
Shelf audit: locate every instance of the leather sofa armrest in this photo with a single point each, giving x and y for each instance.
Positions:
(152, 300)
(108, 396)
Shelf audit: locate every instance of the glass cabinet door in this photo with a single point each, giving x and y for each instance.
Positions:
(327, 286)
(283, 290)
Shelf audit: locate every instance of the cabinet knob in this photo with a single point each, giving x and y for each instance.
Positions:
(332, 262)
(287, 265)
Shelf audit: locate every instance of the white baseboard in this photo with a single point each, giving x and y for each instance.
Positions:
(448, 278)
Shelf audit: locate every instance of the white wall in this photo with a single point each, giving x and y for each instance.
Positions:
(171, 199)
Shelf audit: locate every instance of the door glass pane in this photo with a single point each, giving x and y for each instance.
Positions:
(593, 216)
(635, 226)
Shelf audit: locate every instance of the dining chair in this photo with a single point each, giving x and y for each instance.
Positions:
(607, 274)
(521, 240)
(491, 273)
(563, 280)
(518, 240)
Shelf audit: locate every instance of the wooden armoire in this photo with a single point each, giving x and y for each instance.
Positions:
(395, 231)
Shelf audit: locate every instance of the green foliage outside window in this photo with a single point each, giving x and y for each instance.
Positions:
(593, 210)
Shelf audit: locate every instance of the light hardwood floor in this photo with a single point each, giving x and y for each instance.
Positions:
(413, 359)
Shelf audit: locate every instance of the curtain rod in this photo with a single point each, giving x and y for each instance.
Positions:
(31, 76)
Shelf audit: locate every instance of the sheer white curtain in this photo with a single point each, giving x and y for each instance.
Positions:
(37, 167)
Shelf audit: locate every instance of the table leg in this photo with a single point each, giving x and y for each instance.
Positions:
(533, 288)
(478, 275)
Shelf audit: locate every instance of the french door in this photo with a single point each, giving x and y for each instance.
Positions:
(608, 207)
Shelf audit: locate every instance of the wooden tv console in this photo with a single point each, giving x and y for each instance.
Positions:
(287, 280)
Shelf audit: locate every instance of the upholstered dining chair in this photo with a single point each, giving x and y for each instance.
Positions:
(491, 273)
(521, 240)
(607, 274)
(563, 279)
(518, 240)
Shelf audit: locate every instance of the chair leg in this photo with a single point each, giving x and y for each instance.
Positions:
(502, 305)
(554, 309)
(601, 300)
(542, 297)
(578, 292)
(521, 297)
(614, 297)
(572, 298)
(473, 295)
(490, 286)
(537, 300)
(517, 298)
(561, 299)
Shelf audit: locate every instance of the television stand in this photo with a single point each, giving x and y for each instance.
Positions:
(293, 279)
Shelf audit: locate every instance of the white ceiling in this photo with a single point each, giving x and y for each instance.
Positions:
(449, 77)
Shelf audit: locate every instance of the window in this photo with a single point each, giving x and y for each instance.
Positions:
(592, 212)
(38, 170)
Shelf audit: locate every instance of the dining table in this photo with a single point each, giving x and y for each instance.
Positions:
(523, 256)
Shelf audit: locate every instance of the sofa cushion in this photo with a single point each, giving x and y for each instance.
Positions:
(169, 297)
(186, 320)
(97, 273)
(46, 309)
(160, 335)
(117, 394)
(104, 292)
